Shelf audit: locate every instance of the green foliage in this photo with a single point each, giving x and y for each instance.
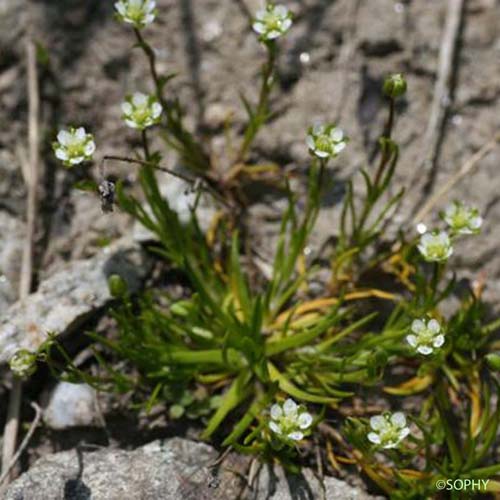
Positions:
(239, 339)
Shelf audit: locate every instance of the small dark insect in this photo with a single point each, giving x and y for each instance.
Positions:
(107, 194)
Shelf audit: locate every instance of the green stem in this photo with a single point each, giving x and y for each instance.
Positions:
(190, 180)
(322, 167)
(261, 112)
(385, 152)
(453, 447)
(191, 151)
(384, 161)
(145, 145)
(437, 273)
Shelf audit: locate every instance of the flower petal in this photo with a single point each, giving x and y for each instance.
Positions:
(64, 137)
(378, 422)
(417, 326)
(286, 25)
(398, 419)
(290, 408)
(89, 148)
(276, 412)
(139, 100)
(295, 436)
(438, 341)
(403, 433)
(80, 134)
(305, 420)
(434, 326)
(318, 129)
(273, 34)
(424, 349)
(373, 437)
(339, 147)
(476, 222)
(412, 340)
(132, 123)
(260, 15)
(337, 134)
(121, 8)
(156, 110)
(61, 154)
(76, 160)
(259, 27)
(127, 108)
(321, 154)
(275, 427)
(281, 11)
(149, 6)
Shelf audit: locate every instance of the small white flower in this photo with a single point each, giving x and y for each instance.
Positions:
(426, 336)
(462, 219)
(326, 141)
(137, 12)
(74, 146)
(141, 111)
(388, 430)
(290, 421)
(272, 22)
(435, 247)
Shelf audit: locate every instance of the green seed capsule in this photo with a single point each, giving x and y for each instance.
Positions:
(395, 86)
(493, 361)
(117, 286)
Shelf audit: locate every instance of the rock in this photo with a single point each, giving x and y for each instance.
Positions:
(12, 188)
(12, 234)
(71, 405)
(273, 484)
(168, 470)
(7, 294)
(80, 230)
(381, 39)
(174, 469)
(70, 296)
(12, 21)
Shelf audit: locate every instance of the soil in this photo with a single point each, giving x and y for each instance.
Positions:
(331, 67)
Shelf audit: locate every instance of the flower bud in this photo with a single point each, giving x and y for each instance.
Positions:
(23, 363)
(493, 361)
(117, 286)
(395, 86)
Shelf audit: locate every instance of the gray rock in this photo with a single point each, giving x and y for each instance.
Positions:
(174, 469)
(12, 188)
(168, 470)
(7, 294)
(71, 405)
(273, 484)
(12, 20)
(69, 297)
(12, 235)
